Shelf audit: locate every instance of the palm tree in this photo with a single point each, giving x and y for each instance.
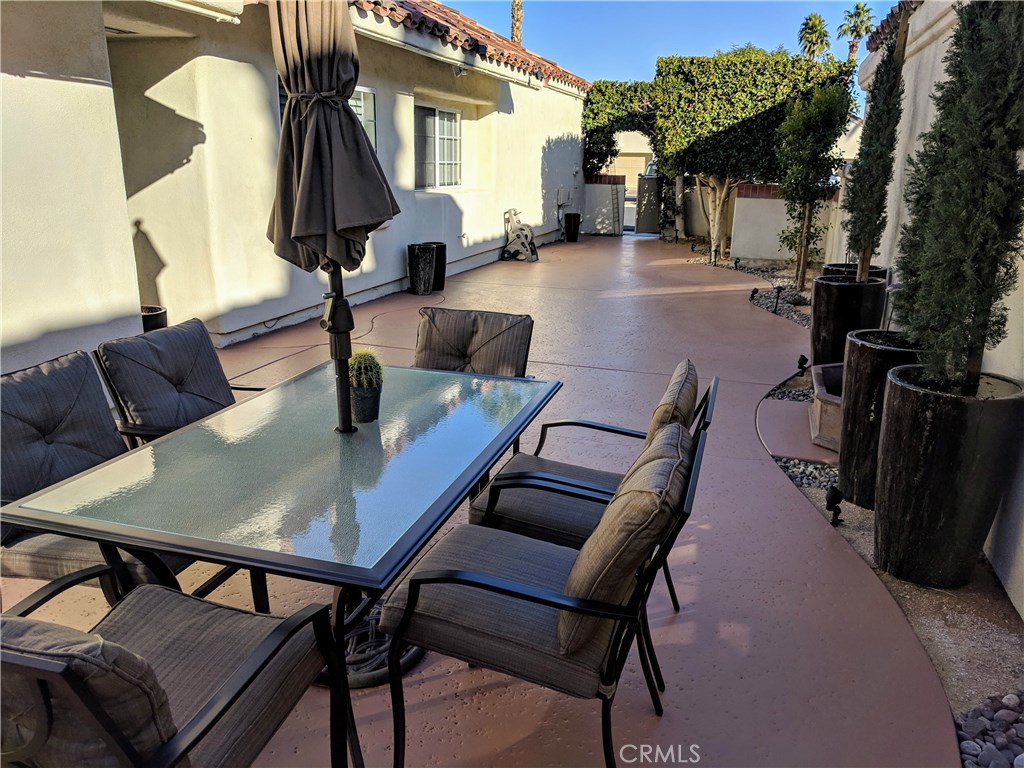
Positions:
(814, 39)
(517, 21)
(857, 24)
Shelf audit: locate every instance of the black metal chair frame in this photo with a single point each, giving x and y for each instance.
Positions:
(57, 676)
(630, 618)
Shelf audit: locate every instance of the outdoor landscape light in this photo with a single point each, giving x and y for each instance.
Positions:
(753, 293)
(801, 362)
(778, 292)
(833, 497)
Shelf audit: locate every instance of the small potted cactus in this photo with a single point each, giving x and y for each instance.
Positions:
(366, 375)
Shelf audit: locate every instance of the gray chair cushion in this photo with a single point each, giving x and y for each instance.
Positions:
(634, 523)
(55, 422)
(167, 378)
(123, 684)
(47, 556)
(679, 401)
(497, 631)
(209, 642)
(491, 343)
(540, 514)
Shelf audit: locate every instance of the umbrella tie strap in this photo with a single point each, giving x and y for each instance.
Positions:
(329, 98)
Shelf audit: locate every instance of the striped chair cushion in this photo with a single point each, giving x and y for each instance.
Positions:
(210, 642)
(679, 401)
(123, 684)
(497, 631)
(634, 523)
(167, 378)
(54, 423)
(491, 343)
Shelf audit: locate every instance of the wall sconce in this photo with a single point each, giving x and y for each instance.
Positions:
(459, 71)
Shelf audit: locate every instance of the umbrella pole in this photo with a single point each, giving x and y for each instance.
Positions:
(338, 322)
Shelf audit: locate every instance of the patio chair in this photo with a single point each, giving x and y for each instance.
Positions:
(551, 615)
(165, 679)
(165, 379)
(530, 504)
(491, 343)
(55, 423)
(525, 511)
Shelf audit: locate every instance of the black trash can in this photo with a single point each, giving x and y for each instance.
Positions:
(421, 268)
(572, 226)
(440, 264)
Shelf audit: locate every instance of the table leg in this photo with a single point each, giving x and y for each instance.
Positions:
(349, 608)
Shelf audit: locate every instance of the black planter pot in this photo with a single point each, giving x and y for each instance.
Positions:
(840, 304)
(572, 226)
(949, 461)
(421, 268)
(153, 317)
(870, 355)
(365, 404)
(440, 263)
(850, 270)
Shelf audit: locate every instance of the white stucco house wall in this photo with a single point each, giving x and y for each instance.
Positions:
(930, 29)
(139, 156)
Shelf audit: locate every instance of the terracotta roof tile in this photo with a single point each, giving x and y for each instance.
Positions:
(432, 18)
(890, 23)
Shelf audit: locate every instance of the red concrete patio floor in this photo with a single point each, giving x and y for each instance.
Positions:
(788, 650)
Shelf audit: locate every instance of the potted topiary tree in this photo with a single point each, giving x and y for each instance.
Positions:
(366, 375)
(950, 433)
(870, 353)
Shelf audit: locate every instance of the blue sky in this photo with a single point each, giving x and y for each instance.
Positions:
(622, 39)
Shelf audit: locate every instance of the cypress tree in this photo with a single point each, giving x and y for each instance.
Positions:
(871, 172)
(965, 199)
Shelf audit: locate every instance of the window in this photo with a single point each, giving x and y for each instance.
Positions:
(438, 145)
(363, 103)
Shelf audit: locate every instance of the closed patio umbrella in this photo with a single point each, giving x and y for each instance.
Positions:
(331, 192)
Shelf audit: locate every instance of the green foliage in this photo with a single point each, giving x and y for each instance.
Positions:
(719, 116)
(807, 139)
(814, 40)
(965, 199)
(365, 370)
(857, 24)
(611, 107)
(871, 172)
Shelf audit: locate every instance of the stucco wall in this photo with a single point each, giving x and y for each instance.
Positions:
(67, 269)
(199, 125)
(930, 29)
(520, 145)
(757, 223)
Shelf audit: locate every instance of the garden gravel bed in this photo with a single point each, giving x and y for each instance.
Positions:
(992, 735)
(808, 474)
(793, 394)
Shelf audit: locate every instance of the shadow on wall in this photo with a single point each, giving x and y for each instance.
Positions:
(61, 341)
(560, 174)
(155, 139)
(148, 265)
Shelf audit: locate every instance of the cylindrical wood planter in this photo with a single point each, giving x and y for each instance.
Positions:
(948, 463)
(840, 304)
(850, 270)
(870, 355)
(365, 404)
(421, 268)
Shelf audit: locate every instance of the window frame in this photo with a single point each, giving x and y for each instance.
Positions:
(372, 136)
(437, 109)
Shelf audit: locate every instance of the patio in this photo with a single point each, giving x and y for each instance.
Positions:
(788, 650)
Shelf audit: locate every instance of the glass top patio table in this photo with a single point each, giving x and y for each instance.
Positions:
(268, 483)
